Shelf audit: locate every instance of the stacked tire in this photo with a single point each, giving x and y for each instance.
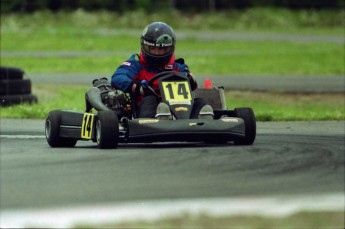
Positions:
(14, 89)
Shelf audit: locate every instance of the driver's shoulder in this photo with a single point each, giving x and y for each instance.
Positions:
(180, 61)
(133, 62)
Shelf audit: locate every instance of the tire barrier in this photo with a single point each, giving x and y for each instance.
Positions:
(14, 89)
(10, 87)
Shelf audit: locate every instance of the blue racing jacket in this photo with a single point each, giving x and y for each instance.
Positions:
(135, 69)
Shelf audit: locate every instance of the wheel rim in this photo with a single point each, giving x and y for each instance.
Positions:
(98, 131)
(48, 128)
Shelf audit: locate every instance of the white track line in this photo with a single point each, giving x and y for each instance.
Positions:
(67, 217)
(21, 136)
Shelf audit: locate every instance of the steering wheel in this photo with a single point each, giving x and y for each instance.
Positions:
(163, 74)
(158, 76)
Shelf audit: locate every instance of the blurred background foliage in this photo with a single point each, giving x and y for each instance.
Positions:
(121, 6)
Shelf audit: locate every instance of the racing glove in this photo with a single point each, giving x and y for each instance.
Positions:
(192, 81)
(142, 88)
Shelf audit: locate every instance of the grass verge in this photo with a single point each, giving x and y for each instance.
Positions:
(94, 53)
(204, 221)
(251, 42)
(268, 106)
(256, 41)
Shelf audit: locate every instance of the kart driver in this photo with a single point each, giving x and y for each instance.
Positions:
(156, 55)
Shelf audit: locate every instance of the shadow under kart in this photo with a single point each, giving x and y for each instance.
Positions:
(115, 118)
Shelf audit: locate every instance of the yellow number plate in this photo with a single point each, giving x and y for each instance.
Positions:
(177, 92)
(86, 127)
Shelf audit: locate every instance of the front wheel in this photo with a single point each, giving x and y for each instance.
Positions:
(247, 114)
(52, 131)
(107, 130)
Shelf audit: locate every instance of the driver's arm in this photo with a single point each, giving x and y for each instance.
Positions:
(122, 78)
(192, 81)
(184, 68)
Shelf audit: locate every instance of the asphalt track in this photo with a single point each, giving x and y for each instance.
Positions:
(292, 160)
(288, 158)
(296, 161)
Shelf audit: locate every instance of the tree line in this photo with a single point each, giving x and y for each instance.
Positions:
(152, 5)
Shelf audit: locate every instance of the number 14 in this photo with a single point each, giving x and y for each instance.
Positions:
(176, 90)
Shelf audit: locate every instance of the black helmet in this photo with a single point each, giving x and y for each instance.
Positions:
(158, 43)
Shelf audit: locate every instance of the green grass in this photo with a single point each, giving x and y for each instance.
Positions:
(226, 57)
(119, 35)
(253, 19)
(204, 221)
(102, 41)
(203, 57)
(274, 106)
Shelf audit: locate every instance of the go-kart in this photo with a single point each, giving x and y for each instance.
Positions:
(110, 117)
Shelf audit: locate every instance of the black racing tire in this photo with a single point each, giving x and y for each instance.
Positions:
(11, 73)
(11, 87)
(107, 130)
(220, 141)
(8, 100)
(52, 130)
(247, 114)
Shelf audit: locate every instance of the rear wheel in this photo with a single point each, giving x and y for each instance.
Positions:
(107, 130)
(52, 130)
(247, 114)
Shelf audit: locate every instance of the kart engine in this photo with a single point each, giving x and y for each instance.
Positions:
(103, 97)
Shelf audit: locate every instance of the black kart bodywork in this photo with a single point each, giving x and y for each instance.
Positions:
(115, 118)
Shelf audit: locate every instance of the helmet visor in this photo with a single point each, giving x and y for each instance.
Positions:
(157, 50)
